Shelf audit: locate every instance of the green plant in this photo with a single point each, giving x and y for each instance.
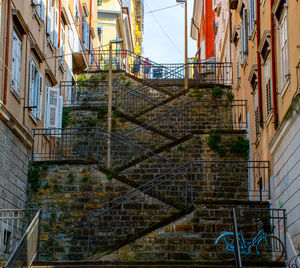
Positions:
(45, 165)
(56, 187)
(240, 147)
(168, 149)
(86, 178)
(81, 80)
(217, 92)
(230, 96)
(102, 111)
(34, 177)
(66, 117)
(103, 76)
(127, 83)
(123, 120)
(109, 176)
(47, 186)
(213, 141)
(94, 78)
(92, 122)
(180, 148)
(71, 177)
(83, 170)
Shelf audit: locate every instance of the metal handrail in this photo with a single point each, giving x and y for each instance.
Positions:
(30, 238)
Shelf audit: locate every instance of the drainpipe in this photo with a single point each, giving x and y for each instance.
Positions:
(274, 80)
(7, 51)
(261, 123)
(90, 26)
(59, 23)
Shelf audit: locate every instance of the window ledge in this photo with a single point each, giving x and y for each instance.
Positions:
(37, 17)
(50, 44)
(15, 94)
(244, 63)
(35, 121)
(257, 140)
(61, 65)
(285, 86)
(269, 117)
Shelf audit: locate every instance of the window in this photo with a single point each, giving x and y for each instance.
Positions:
(54, 106)
(237, 59)
(85, 32)
(62, 43)
(16, 63)
(52, 23)
(76, 11)
(244, 37)
(256, 113)
(35, 90)
(99, 29)
(268, 86)
(252, 15)
(40, 8)
(284, 57)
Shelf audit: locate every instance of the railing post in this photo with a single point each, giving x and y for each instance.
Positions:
(109, 108)
(238, 260)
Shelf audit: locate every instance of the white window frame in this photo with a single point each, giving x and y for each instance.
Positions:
(54, 108)
(16, 63)
(36, 85)
(62, 44)
(284, 51)
(244, 37)
(268, 86)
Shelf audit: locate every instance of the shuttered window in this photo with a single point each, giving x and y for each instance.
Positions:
(85, 32)
(35, 90)
(252, 15)
(62, 43)
(284, 57)
(40, 8)
(244, 36)
(54, 108)
(268, 86)
(16, 63)
(256, 113)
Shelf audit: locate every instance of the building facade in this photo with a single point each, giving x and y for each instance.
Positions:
(266, 56)
(202, 29)
(44, 42)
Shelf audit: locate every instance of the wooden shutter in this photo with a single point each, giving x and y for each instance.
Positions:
(49, 17)
(31, 83)
(43, 10)
(55, 40)
(40, 97)
(53, 102)
(59, 112)
(14, 61)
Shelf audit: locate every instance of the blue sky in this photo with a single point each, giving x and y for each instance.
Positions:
(157, 45)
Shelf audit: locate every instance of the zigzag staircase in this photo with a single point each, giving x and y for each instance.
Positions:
(157, 174)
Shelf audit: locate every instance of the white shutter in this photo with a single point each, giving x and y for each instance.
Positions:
(31, 83)
(43, 10)
(59, 112)
(14, 61)
(40, 97)
(53, 102)
(55, 41)
(18, 65)
(49, 17)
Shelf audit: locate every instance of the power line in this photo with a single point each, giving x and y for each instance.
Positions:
(169, 38)
(152, 11)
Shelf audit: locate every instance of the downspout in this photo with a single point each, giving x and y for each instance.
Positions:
(90, 26)
(261, 123)
(7, 50)
(59, 23)
(274, 80)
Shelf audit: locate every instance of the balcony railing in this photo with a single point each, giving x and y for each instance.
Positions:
(209, 72)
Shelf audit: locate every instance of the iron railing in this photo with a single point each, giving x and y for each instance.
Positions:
(20, 236)
(209, 114)
(208, 72)
(228, 179)
(115, 221)
(84, 93)
(90, 145)
(249, 221)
